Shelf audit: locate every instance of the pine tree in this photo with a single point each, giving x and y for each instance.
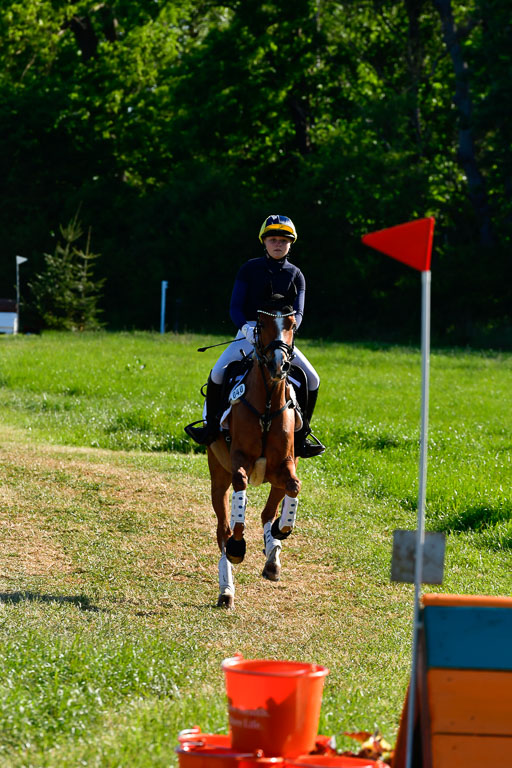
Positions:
(66, 295)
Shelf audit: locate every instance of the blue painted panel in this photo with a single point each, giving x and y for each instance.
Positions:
(468, 637)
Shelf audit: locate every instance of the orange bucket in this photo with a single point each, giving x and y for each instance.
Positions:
(333, 761)
(216, 757)
(194, 738)
(207, 750)
(213, 750)
(273, 705)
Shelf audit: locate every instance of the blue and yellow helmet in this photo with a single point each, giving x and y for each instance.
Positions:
(278, 225)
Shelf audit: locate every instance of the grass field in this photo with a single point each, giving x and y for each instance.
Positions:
(108, 564)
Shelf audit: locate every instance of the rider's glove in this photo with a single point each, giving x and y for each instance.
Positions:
(249, 331)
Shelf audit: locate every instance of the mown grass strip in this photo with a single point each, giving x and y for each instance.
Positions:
(110, 641)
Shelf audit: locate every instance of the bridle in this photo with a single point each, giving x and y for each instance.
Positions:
(264, 354)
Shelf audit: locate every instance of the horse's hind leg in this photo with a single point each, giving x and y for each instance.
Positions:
(220, 483)
(272, 551)
(226, 584)
(276, 529)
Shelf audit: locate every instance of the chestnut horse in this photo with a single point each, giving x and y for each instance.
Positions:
(261, 428)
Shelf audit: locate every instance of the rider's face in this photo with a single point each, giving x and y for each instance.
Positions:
(277, 246)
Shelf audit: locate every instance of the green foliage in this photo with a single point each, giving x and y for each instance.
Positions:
(179, 125)
(66, 295)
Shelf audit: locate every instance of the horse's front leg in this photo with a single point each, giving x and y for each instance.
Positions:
(235, 545)
(220, 483)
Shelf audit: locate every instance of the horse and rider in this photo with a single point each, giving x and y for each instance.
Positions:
(256, 282)
(272, 390)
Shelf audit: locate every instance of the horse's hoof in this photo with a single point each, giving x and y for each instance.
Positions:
(271, 571)
(279, 534)
(226, 601)
(235, 550)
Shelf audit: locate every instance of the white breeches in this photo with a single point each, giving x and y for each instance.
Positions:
(232, 352)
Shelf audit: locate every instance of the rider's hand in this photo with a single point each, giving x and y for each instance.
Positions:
(250, 333)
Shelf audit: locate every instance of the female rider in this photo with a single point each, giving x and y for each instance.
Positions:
(257, 280)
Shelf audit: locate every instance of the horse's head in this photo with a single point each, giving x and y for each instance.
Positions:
(275, 332)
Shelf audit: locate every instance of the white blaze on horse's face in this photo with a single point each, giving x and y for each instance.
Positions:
(275, 342)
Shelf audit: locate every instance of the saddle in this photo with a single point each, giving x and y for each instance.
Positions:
(237, 371)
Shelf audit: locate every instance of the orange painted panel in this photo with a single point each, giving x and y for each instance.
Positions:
(470, 701)
(471, 752)
(494, 601)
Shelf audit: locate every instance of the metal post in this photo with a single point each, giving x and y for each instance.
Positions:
(162, 306)
(420, 533)
(19, 260)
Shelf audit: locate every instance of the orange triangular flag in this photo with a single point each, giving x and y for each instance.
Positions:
(410, 242)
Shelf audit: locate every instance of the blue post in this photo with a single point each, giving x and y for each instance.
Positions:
(162, 307)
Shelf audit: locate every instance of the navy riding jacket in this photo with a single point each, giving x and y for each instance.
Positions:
(258, 279)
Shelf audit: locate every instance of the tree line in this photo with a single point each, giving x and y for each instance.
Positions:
(175, 127)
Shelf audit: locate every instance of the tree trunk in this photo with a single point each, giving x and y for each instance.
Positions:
(85, 36)
(300, 115)
(415, 63)
(466, 154)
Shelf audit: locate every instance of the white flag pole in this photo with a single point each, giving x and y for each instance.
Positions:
(420, 532)
(19, 260)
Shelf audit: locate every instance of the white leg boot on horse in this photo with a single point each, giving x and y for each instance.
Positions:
(226, 584)
(272, 567)
(284, 524)
(235, 545)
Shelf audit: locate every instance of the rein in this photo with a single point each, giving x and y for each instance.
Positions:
(262, 356)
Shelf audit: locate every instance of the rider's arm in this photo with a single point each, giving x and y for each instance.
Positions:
(238, 295)
(298, 304)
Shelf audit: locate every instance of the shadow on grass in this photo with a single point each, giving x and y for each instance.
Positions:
(81, 601)
(483, 519)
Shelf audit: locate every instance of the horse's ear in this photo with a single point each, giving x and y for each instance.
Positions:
(274, 304)
(286, 301)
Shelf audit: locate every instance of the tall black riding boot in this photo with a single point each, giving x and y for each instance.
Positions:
(208, 432)
(312, 447)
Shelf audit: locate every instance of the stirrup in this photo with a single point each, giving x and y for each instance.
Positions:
(308, 449)
(203, 435)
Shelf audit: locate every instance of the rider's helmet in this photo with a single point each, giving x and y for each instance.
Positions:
(278, 225)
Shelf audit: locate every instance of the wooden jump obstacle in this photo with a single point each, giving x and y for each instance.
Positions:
(463, 712)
